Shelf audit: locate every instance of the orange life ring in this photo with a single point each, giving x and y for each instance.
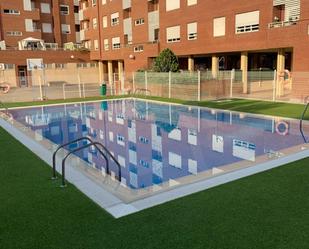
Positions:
(282, 128)
(5, 88)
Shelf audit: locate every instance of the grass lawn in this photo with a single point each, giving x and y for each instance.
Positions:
(267, 210)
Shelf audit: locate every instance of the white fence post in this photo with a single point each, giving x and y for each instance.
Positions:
(123, 77)
(146, 81)
(41, 90)
(274, 85)
(63, 91)
(199, 85)
(169, 84)
(232, 80)
(84, 92)
(133, 82)
(44, 91)
(79, 83)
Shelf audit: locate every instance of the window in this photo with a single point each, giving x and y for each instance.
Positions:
(96, 44)
(60, 66)
(104, 21)
(143, 140)
(115, 19)
(94, 23)
(14, 33)
(47, 28)
(64, 9)
(29, 25)
(153, 5)
(144, 163)
(94, 2)
(174, 160)
(219, 27)
(87, 44)
(65, 28)
(45, 8)
(192, 31)
(106, 45)
(139, 21)
(191, 2)
(116, 42)
(9, 66)
(192, 136)
(127, 40)
(156, 34)
(247, 22)
(139, 48)
(173, 34)
(126, 13)
(120, 140)
(11, 12)
(172, 4)
(82, 65)
(86, 25)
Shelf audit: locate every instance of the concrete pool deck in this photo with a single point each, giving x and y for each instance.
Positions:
(117, 207)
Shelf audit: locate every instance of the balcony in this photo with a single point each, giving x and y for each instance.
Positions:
(281, 24)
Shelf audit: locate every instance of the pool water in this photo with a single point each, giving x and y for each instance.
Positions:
(160, 143)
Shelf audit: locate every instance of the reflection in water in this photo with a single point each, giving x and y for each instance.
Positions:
(156, 143)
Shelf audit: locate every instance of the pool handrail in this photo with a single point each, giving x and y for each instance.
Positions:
(62, 146)
(113, 158)
(96, 144)
(302, 118)
(66, 144)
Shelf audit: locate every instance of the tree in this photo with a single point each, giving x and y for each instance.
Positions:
(166, 61)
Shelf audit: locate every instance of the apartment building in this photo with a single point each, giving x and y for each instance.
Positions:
(55, 22)
(218, 35)
(45, 29)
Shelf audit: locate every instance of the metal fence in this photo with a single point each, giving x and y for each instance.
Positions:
(191, 86)
(206, 85)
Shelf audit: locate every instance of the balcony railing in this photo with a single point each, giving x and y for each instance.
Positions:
(281, 24)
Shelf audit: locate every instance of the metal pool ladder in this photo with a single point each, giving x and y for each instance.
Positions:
(302, 118)
(100, 148)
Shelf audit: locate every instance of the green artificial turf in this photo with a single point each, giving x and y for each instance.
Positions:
(59, 101)
(267, 210)
(241, 105)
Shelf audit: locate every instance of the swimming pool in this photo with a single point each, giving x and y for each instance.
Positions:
(160, 146)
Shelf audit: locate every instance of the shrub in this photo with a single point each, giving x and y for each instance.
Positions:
(166, 61)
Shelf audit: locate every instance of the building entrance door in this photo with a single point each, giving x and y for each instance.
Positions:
(22, 76)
